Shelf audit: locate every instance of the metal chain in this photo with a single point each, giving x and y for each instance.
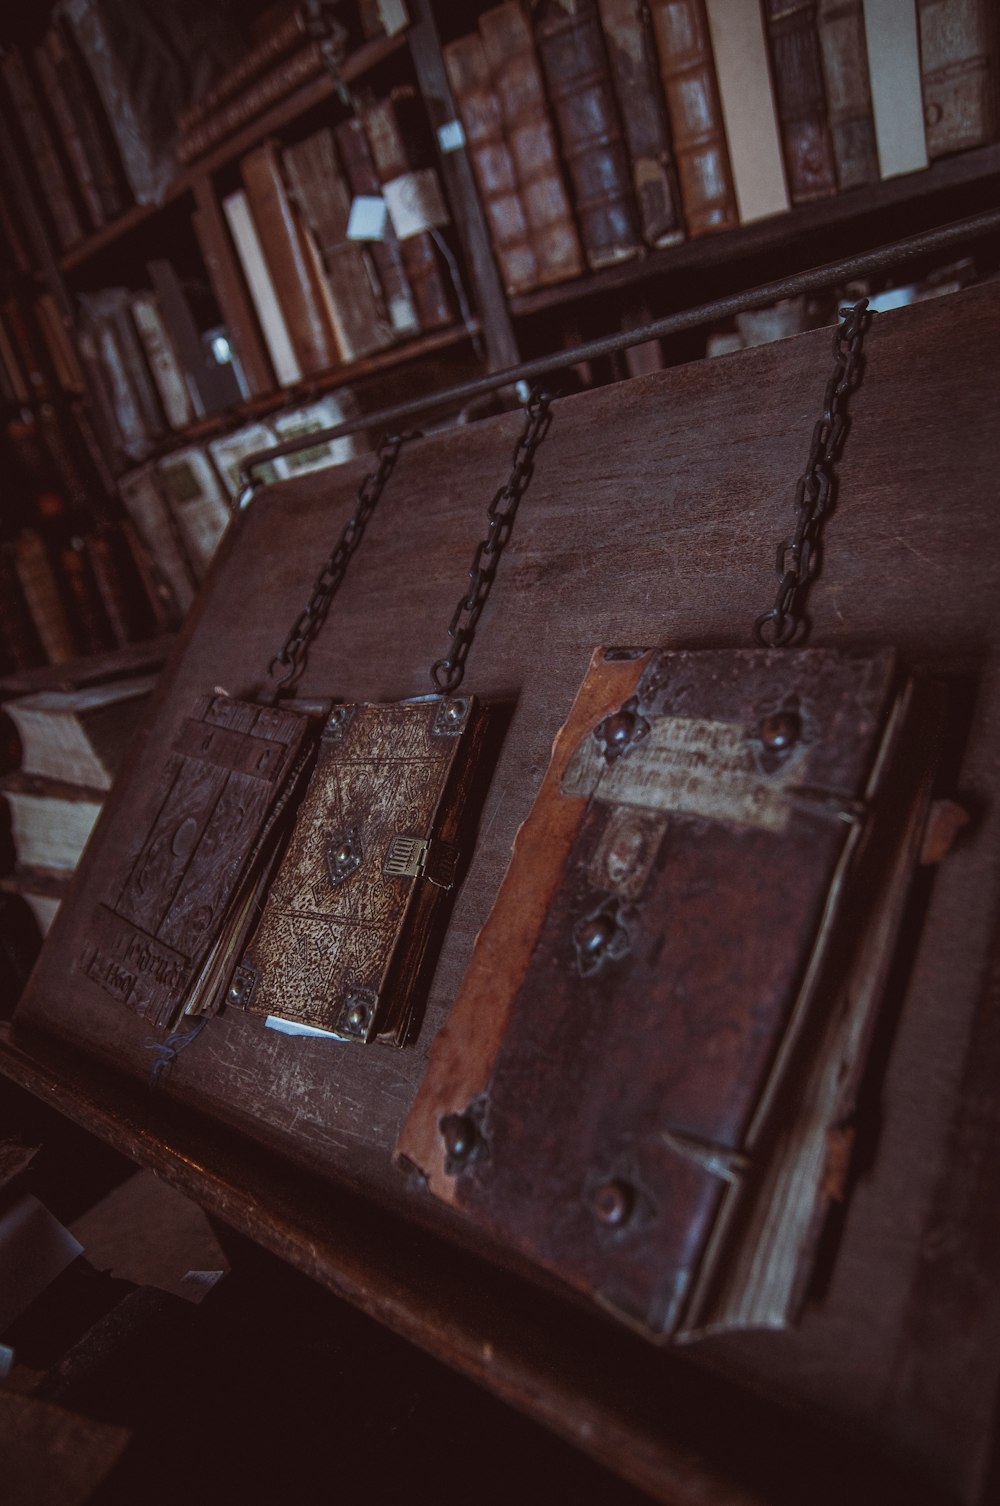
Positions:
(291, 657)
(799, 555)
(447, 673)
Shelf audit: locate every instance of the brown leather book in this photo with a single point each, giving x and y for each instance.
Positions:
(293, 268)
(398, 136)
(647, 133)
(53, 178)
(232, 297)
(387, 258)
(492, 163)
(324, 201)
(959, 73)
(797, 70)
(841, 25)
(280, 81)
(630, 1041)
(684, 48)
(575, 63)
(288, 33)
(120, 585)
(528, 128)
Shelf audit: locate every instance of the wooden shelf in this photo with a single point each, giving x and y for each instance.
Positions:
(872, 215)
(306, 97)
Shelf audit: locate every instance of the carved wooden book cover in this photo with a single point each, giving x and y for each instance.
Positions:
(341, 940)
(231, 764)
(602, 1094)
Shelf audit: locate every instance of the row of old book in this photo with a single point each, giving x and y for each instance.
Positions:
(601, 128)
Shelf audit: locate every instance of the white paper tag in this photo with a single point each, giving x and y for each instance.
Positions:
(368, 218)
(451, 136)
(196, 1285)
(393, 15)
(415, 203)
(290, 1027)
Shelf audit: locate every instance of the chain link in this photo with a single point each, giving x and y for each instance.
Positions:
(447, 673)
(798, 557)
(287, 666)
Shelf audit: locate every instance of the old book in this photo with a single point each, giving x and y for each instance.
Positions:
(125, 593)
(294, 423)
(296, 280)
(212, 385)
(687, 70)
(260, 283)
(739, 48)
(16, 389)
(209, 826)
(111, 308)
(635, 76)
(386, 255)
(361, 324)
(103, 165)
(43, 597)
(530, 134)
(143, 498)
(161, 358)
(53, 178)
(397, 133)
(841, 26)
(61, 350)
(960, 73)
(68, 128)
(801, 99)
(30, 352)
(347, 921)
(574, 61)
(652, 1051)
(894, 74)
(287, 33)
(277, 83)
(236, 304)
(197, 501)
(51, 821)
(482, 120)
(230, 452)
(79, 736)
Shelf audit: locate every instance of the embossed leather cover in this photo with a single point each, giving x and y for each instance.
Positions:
(230, 767)
(347, 920)
(654, 963)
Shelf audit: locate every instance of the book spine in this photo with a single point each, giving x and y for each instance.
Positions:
(894, 72)
(53, 180)
(286, 253)
(137, 372)
(212, 387)
(222, 262)
(479, 109)
(83, 100)
(689, 83)
(196, 499)
(72, 139)
(60, 346)
(91, 628)
(517, 79)
(42, 597)
(119, 584)
(163, 363)
(324, 204)
(28, 350)
(959, 65)
(801, 97)
(120, 394)
(739, 47)
(286, 36)
(841, 28)
(395, 136)
(571, 47)
(154, 523)
(288, 75)
(355, 154)
(273, 325)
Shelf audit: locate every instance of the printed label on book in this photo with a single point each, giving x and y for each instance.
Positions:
(415, 203)
(368, 218)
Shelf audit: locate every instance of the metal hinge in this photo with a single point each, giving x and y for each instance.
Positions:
(421, 857)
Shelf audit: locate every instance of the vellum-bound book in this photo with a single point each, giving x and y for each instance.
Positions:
(648, 1078)
(374, 851)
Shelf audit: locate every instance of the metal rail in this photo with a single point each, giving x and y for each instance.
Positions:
(865, 263)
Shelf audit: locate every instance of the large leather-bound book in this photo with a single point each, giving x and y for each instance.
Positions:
(397, 134)
(295, 272)
(647, 133)
(355, 154)
(798, 85)
(959, 73)
(54, 180)
(324, 202)
(517, 79)
(571, 47)
(841, 26)
(482, 119)
(689, 84)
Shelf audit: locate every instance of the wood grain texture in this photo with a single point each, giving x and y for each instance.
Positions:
(651, 518)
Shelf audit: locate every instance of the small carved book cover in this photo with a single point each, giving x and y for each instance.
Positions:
(164, 940)
(648, 1077)
(351, 909)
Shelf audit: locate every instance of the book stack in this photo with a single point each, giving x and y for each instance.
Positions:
(601, 129)
(72, 743)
